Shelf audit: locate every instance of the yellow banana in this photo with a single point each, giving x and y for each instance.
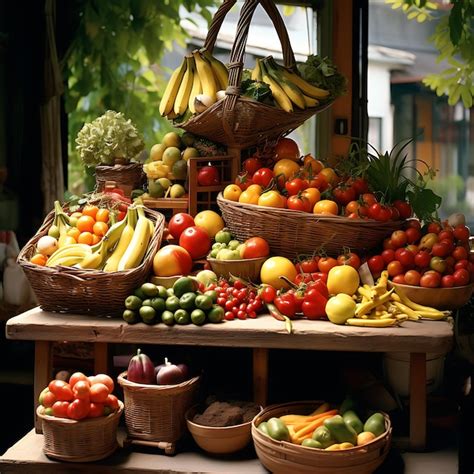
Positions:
(206, 76)
(69, 260)
(138, 245)
(372, 323)
(309, 101)
(278, 93)
(219, 69)
(112, 263)
(257, 71)
(195, 90)
(290, 89)
(169, 96)
(95, 259)
(307, 88)
(182, 97)
(70, 250)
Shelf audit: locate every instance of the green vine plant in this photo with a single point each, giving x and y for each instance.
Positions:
(454, 40)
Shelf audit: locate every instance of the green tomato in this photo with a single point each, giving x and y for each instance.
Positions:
(172, 303)
(198, 317)
(181, 316)
(223, 236)
(133, 302)
(233, 244)
(203, 302)
(187, 300)
(168, 318)
(216, 314)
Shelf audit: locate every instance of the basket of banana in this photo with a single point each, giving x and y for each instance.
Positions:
(85, 262)
(239, 107)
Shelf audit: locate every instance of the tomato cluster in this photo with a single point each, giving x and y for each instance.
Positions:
(80, 397)
(435, 256)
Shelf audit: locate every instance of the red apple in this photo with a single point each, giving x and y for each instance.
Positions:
(172, 260)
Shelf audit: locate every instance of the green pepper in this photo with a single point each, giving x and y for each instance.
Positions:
(340, 431)
(263, 427)
(186, 301)
(311, 443)
(278, 430)
(375, 424)
(347, 404)
(323, 436)
(351, 419)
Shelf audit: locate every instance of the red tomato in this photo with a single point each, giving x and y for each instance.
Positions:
(196, 241)
(461, 277)
(180, 222)
(415, 223)
(360, 185)
(462, 233)
(99, 393)
(286, 148)
(395, 214)
(255, 247)
(96, 410)
(434, 227)
(405, 257)
(299, 203)
(413, 234)
(448, 243)
(399, 279)
(352, 207)
(326, 263)
(319, 181)
(310, 265)
(344, 194)
(398, 238)
(268, 293)
(461, 264)
(252, 164)
(422, 259)
(368, 199)
(60, 409)
(412, 277)
(430, 279)
(263, 177)
(387, 244)
(446, 234)
(49, 399)
(78, 409)
(243, 181)
(379, 212)
(447, 281)
(112, 402)
(208, 176)
(388, 255)
(349, 258)
(76, 377)
(295, 185)
(440, 249)
(106, 380)
(403, 208)
(81, 390)
(395, 268)
(376, 264)
(62, 390)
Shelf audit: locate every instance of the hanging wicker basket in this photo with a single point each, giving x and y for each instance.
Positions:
(240, 122)
(126, 177)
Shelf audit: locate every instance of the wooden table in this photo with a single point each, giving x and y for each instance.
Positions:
(261, 334)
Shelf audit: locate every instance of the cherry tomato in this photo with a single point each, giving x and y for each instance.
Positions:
(403, 208)
(295, 186)
(310, 265)
(268, 293)
(252, 164)
(352, 207)
(462, 233)
(349, 258)
(412, 248)
(379, 212)
(405, 257)
(398, 238)
(434, 227)
(395, 215)
(447, 281)
(448, 243)
(326, 263)
(461, 277)
(60, 409)
(326, 206)
(360, 185)
(440, 249)
(395, 268)
(62, 390)
(243, 181)
(387, 244)
(461, 264)
(343, 194)
(329, 174)
(446, 234)
(376, 264)
(399, 279)
(263, 177)
(78, 409)
(413, 235)
(388, 255)
(368, 199)
(299, 203)
(415, 223)
(412, 277)
(430, 279)
(318, 182)
(422, 259)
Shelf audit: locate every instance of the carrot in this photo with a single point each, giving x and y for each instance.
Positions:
(310, 427)
(310, 419)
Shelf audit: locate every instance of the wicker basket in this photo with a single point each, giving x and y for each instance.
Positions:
(248, 268)
(157, 412)
(237, 121)
(282, 457)
(94, 292)
(290, 232)
(129, 176)
(80, 441)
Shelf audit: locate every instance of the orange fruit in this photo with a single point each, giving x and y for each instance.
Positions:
(90, 211)
(85, 224)
(39, 259)
(73, 232)
(100, 228)
(85, 238)
(102, 215)
(95, 239)
(66, 240)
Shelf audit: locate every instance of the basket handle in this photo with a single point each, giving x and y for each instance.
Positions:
(216, 24)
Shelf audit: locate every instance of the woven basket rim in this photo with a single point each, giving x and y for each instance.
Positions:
(124, 382)
(118, 167)
(404, 285)
(287, 444)
(238, 260)
(68, 421)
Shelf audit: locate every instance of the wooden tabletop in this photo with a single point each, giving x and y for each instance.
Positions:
(265, 331)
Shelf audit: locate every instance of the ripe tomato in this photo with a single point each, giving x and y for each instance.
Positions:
(395, 268)
(286, 148)
(310, 265)
(326, 263)
(461, 277)
(78, 409)
(343, 194)
(415, 223)
(312, 194)
(329, 174)
(430, 279)
(440, 249)
(387, 244)
(312, 164)
(352, 208)
(208, 176)
(403, 208)
(106, 380)
(412, 248)
(398, 238)
(49, 399)
(360, 185)
(376, 264)
(399, 279)
(395, 215)
(95, 410)
(270, 199)
(295, 185)
(263, 177)
(412, 277)
(326, 206)
(349, 258)
(388, 255)
(255, 247)
(380, 212)
(196, 241)
(319, 182)
(461, 264)
(252, 164)
(99, 393)
(299, 203)
(90, 210)
(268, 293)
(60, 409)
(447, 281)
(462, 233)
(434, 227)
(179, 222)
(446, 234)
(368, 199)
(76, 377)
(81, 390)
(413, 235)
(287, 168)
(243, 181)
(102, 215)
(428, 240)
(422, 259)
(61, 390)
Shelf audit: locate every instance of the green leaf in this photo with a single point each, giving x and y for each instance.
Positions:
(456, 22)
(425, 203)
(466, 97)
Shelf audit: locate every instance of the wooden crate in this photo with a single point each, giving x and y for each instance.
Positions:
(168, 206)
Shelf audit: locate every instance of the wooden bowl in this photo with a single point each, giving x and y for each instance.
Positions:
(247, 268)
(219, 440)
(439, 298)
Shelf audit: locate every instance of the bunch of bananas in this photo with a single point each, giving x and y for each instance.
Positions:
(288, 88)
(380, 307)
(122, 248)
(193, 86)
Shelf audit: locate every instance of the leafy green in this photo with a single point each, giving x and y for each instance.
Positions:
(256, 90)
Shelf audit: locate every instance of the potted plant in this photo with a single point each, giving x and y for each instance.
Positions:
(112, 144)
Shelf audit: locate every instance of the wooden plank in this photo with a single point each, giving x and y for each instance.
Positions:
(43, 373)
(265, 331)
(101, 359)
(27, 456)
(417, 401)
(260, 376)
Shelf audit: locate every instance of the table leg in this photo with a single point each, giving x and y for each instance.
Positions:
(417, 401)
(260, 375)
(43, 373)
(101, 358)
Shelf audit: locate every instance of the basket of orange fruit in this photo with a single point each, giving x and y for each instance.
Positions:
(87, 257)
